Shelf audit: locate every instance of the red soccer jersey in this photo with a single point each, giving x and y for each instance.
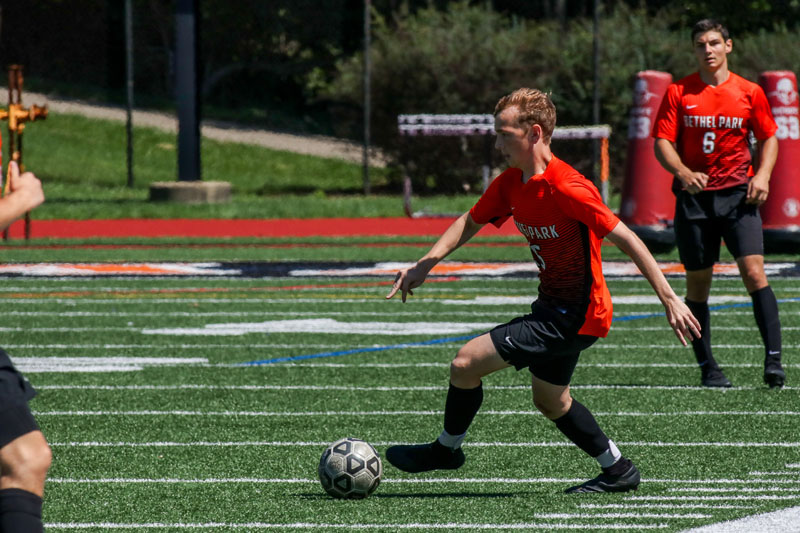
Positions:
(710, 126)
(564, 219)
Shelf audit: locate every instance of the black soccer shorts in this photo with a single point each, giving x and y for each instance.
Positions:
(546, 341)
(702, 220)
(16, 418)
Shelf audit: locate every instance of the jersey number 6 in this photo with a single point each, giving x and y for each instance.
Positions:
(708, 142)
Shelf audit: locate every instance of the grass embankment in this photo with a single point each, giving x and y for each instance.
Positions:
(82, 163)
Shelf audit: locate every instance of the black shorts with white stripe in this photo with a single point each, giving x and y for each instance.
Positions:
(546, 341)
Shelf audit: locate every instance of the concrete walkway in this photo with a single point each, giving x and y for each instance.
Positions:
(315, 145)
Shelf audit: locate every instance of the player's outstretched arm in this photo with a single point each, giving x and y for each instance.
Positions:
(24, 193)
(459, 232)
(679, 316)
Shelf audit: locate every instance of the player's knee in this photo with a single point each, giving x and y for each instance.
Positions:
(27, 463)
(754, 279)
(551, 407)
(460, 367)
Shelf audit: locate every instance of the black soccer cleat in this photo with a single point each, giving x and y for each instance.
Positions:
(424, 457)
(713, 377)
(774, 376)
(605, 482)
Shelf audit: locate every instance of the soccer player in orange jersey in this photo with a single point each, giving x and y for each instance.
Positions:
(564, 220)
(701, 137)
(24, 453)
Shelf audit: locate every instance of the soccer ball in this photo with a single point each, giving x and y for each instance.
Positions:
(350, 468)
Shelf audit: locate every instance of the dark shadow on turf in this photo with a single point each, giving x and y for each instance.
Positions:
(309, 496)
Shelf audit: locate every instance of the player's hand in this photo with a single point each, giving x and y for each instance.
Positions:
(694, 182)
(406, 280)
(26, 188)
(757, 190)
(683, 322)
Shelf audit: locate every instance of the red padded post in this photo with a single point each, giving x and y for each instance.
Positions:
(648, 205)
(781, 212)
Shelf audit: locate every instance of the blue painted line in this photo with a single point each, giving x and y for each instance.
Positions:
(264, 362)
(357, 350)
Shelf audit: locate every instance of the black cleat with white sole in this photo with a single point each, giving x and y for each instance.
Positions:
(627, 480)
(425, 457)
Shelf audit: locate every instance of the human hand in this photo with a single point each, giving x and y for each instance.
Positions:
(694, 182)
(757, 190)
(406, 280)
(26, 187)
(681, 319)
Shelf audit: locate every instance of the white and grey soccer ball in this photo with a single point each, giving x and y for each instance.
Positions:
(350, 468)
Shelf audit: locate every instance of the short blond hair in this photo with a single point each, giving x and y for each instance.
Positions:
(535, 107)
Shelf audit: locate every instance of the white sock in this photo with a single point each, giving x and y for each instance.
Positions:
(451, 441)
(610, 456)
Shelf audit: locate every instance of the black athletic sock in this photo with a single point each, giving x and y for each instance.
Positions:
(618, 468)
(765, 308)
(460, 408)
(702, 346)
(20, 512)
(580, 427)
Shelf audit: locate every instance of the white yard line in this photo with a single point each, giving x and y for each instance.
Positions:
(662, 506)
(429, 481)
(398, 413)
(478, 301)
(466, 526)
(731, 489)
(782, 521)
(615, 328)
(775, 473)
(348, 388)
(524, 287)
(584, 516)
(447, 328)
(443, 365)
(320, 444)
(764, 497)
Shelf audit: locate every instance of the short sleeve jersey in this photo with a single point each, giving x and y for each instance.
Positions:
(710, 126)
(561, 214)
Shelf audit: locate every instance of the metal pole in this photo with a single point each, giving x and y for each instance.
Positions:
(367, 110)
(596, 95)
(186, 90)
(129, 86)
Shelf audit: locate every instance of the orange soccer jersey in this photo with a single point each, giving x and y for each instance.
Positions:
(564, 219)
(710, 126)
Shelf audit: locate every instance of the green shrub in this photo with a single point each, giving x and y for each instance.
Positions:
(436, 62)
(463, 59)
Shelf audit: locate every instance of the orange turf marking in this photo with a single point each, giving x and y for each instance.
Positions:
(127, 269)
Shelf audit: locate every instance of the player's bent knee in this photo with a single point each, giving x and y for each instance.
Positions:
(461, 368)
(27, 460)
(551, 408)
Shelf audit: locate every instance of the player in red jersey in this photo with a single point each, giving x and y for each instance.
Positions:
(701, 132)
(24, 453)
(561, 214)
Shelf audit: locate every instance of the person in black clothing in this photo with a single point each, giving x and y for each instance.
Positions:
(24, 453)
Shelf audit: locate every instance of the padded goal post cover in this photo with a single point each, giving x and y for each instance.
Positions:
(647, 199)
(782, 208)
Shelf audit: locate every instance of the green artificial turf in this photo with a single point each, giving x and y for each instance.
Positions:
(211, 444)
